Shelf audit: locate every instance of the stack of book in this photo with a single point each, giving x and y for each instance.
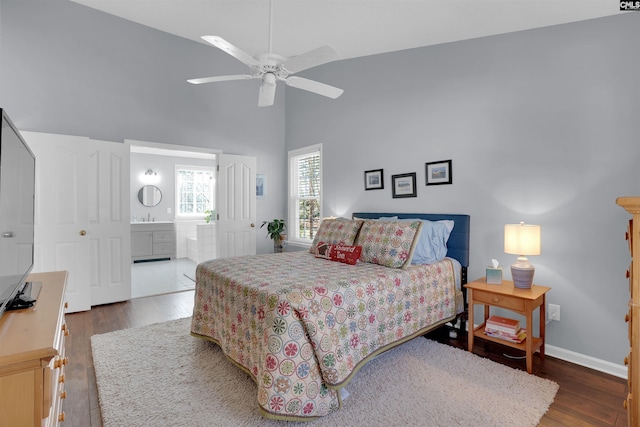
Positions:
(504, 328)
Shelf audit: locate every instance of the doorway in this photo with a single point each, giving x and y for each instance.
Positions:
(155, 164)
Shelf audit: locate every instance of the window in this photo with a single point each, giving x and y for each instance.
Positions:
(194, 191)
(305, 190)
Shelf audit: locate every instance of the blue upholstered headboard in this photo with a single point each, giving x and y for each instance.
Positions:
(458, 244)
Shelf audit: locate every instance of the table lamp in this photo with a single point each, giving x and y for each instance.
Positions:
(522, 239)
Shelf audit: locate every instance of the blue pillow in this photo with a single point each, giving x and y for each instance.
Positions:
(432, 242)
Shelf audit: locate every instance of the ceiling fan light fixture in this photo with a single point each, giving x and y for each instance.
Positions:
(267, 94)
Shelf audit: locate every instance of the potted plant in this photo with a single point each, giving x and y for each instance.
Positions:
(209, 215)
(275, 228)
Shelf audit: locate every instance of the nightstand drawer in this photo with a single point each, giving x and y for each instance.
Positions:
(504, 301)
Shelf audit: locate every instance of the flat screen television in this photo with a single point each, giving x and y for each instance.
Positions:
(17, 206)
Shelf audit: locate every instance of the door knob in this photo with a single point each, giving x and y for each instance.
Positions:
(252, 225)
(83, 232)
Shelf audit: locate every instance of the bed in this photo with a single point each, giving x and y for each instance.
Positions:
(302, 326)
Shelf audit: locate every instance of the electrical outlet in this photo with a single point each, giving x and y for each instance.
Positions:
(553, 312)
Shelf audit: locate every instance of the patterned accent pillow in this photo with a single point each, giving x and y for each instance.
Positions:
(338, 230)
(388, 243)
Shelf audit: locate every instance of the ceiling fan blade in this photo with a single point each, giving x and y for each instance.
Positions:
(314, 86)
(232, 50)
(220, 79)
(310, 59)
(267, 90)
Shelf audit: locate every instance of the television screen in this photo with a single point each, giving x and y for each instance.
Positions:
(17, 190)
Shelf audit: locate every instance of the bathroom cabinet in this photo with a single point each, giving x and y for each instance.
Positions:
(152, 241)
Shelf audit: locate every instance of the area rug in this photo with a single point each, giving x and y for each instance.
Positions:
(159, 375)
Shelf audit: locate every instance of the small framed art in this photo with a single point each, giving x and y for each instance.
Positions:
(438, 172)
(373, 180)
(261, 185)
(403, 185)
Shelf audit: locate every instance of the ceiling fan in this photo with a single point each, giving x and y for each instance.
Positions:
(270, 68)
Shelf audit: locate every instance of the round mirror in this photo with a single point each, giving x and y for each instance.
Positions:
(150, 195)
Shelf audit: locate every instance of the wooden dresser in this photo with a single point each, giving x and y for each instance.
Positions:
(32, 357)
(632, 403)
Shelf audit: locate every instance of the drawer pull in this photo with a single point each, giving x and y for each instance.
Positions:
(60, 362)
(65, 329)
(63, 394)
(496, 299)
(626, 361)
(626, 317)
(66, 305)
(624, 403)
(61, 417)
(627, 274)
(61, 378)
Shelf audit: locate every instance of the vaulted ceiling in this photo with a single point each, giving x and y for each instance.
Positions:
(353, 27)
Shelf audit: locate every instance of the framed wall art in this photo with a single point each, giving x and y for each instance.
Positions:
(438, 172)
(261, 185)
(373, 179)
(403, 185)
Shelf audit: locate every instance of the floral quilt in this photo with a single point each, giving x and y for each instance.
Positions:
(303, 326)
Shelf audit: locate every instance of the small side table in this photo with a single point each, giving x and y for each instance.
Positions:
(521, 301)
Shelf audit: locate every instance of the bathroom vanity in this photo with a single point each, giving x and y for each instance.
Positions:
(152, 241)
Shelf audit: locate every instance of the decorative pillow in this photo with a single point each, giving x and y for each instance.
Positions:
(382, 218)
(341, 253)
(388, 243)
(338, 230)
(431, 246)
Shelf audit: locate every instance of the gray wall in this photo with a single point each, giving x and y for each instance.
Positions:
(542, 126)
(68, 69)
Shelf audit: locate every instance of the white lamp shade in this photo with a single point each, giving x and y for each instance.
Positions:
(522, 239)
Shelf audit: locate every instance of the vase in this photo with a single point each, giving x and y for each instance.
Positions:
(278, 244)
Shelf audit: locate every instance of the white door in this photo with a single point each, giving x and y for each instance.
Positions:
(109, 224)
(61, 217)
(236, 205)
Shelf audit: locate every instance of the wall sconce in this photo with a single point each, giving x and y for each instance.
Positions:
(522, 239)
(149, 177)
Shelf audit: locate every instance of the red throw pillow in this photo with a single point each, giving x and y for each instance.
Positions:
(338, 252)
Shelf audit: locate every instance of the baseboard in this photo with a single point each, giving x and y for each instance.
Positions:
(619, 371)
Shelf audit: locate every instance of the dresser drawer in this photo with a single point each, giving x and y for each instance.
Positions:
(504, 301)
(629, 319)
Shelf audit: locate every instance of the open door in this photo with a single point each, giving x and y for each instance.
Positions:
(236, 205)
(109, 223)
(82, 216)
(61, 220)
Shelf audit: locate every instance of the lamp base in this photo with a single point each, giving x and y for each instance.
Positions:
(522, 275)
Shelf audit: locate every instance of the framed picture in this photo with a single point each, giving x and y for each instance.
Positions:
(438, 172)
(373, 180)
(403, 185)
(261, 186)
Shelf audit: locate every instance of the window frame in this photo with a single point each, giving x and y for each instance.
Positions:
(293, 224)
(194, 216)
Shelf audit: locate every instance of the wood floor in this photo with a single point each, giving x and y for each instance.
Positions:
(586, 397)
